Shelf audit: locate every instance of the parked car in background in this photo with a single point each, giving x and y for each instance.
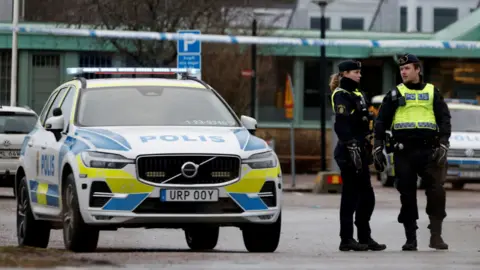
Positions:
(15, 124)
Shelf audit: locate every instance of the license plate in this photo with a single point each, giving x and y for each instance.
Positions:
(470, 174)
(9, 153)
(189, 195)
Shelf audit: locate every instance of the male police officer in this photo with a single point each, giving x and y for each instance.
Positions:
(420, 123)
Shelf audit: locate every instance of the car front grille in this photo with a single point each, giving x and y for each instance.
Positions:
(211, 170)
(471, 153)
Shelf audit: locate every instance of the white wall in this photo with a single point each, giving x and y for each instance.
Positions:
(389, 17)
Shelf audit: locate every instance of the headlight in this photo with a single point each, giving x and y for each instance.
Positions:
(104, 160)
(261, 160)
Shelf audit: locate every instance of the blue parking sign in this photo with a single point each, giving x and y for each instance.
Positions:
(189, 45)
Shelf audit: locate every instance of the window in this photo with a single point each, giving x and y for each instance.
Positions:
(272, 82)
(443, 17)
(56, 102)
(467, 120)
(152, 106)
(67, 105)
(311, 94)
(316, 24)
(47, 105)
(404, 18)
(352, 24)
(17, 122)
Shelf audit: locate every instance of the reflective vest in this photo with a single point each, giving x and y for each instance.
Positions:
(356, 92)
(418, 109)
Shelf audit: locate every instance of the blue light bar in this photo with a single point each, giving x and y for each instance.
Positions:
(460, 100)
(129, 70)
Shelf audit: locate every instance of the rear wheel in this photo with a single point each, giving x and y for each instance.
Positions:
(77, 235)
(202, 237)
(262, 237)
(30, 232)
(386, 180)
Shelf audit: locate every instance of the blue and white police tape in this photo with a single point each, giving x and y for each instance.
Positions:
(230, 39)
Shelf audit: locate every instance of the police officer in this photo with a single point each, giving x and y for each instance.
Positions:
(353, 156)
(419, 120)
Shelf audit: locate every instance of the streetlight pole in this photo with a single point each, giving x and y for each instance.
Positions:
(323, 86)
(253, 83)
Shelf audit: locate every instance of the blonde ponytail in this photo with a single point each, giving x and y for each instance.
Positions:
(334, 81)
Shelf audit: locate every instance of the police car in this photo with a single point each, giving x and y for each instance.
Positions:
(464, 153)
(146, 153)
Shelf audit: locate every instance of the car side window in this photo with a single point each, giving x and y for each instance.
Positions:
(56, 103)
(67, 105)
(47, 106)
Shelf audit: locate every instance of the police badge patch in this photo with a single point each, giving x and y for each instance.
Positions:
(341, 109)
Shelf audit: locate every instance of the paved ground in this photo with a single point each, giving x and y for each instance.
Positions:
(309, 239)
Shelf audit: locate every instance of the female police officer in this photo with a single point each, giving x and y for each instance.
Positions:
(353, 156)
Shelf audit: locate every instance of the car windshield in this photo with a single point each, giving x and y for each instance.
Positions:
(465, 120)
(152, 106)
(16, 122)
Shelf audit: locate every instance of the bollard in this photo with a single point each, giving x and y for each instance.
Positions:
(328, 182)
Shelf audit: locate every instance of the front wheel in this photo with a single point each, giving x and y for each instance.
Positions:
(30, 232)
(202, 237)
(262, 237)
(77, 236)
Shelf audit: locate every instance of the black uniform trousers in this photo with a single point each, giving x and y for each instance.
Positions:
(357, 195)
(417, 159)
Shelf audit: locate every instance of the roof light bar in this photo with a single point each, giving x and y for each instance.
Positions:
(127, 70)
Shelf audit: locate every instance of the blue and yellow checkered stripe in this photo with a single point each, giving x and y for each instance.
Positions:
(44, 194)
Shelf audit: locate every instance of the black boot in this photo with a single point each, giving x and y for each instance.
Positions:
(411, 234)
(436, 240)
(373, 245)
(352, 244)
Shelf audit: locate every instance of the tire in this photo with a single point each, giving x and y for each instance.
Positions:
(202, 237)
(386, 180)
(30, 232)
(262, 237)
(458, 185)
(77, 236)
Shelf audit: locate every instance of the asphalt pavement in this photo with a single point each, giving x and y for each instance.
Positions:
(309, 238)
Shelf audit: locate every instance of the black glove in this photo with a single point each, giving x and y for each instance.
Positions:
(354, 151)
(379, 157)
(440, 154)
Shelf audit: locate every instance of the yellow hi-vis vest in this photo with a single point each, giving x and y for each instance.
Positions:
(418, 110)
(356, 92)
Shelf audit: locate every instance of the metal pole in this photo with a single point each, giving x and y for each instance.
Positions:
(13, 82)
(323, 90)
(254, 71)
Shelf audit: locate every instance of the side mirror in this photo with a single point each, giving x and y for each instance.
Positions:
(55, 124)
(57, 112)
(249, 123)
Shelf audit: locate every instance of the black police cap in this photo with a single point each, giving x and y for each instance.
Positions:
(407, 59)
(349, 65)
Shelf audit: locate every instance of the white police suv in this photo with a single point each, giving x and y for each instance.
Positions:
(145, 153)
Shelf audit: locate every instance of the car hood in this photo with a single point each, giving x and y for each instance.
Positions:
(465, 140)
(134, 141)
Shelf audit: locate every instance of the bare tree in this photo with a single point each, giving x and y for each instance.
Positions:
(221, 63)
